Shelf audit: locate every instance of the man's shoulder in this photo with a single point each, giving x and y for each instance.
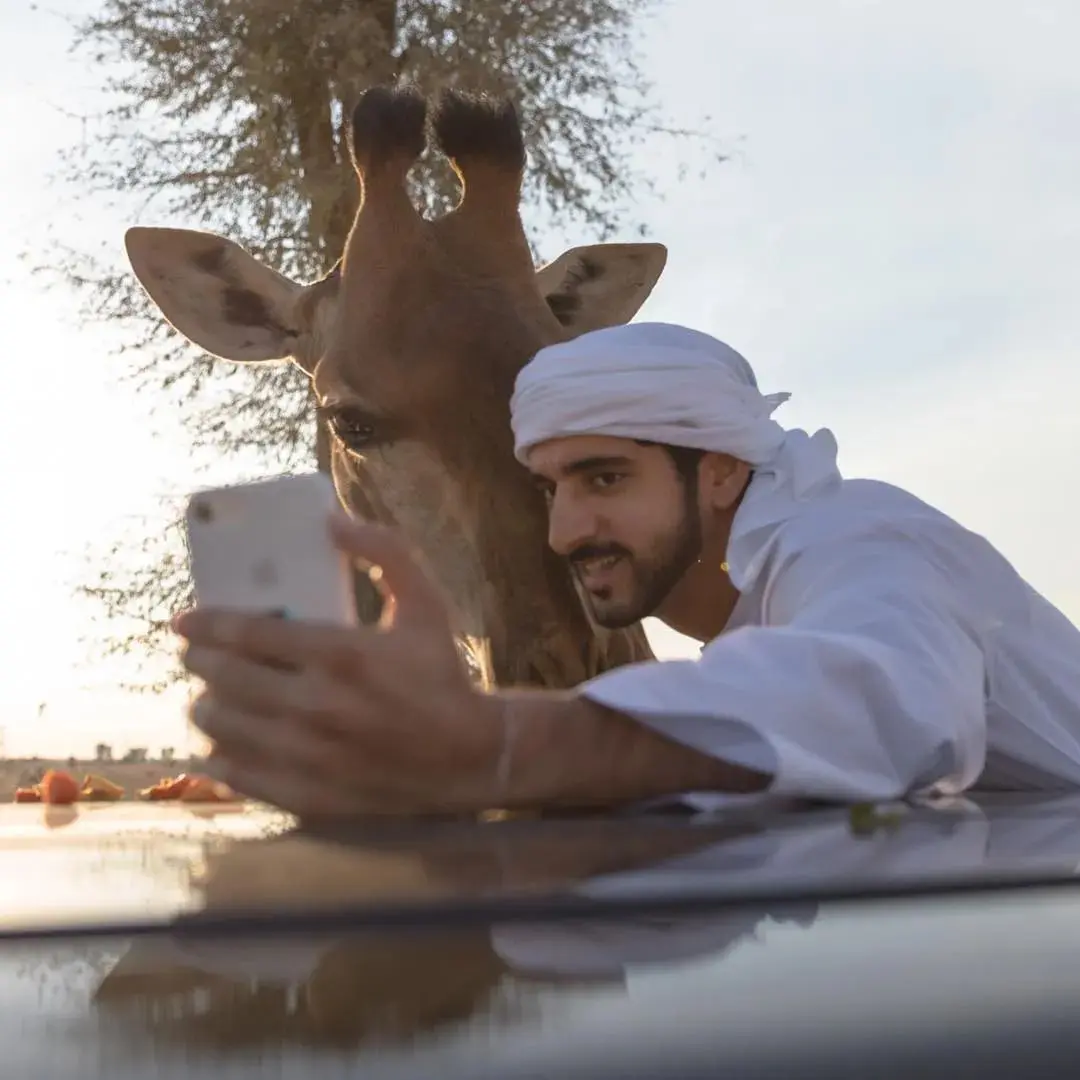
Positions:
(860, 507)
(871, 530)
(858, 513)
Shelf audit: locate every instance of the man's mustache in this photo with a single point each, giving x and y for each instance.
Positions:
(596, 551)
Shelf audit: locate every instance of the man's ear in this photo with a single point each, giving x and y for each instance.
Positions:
(722, 479)
(217, 295)
(601, 285)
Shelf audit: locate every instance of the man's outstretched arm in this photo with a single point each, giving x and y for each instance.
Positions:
(564, 751)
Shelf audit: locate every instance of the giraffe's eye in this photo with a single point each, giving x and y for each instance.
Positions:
(356, 428)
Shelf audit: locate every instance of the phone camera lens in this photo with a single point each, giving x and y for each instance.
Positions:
(203, 512)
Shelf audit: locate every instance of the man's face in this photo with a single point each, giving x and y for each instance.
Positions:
(629, 524)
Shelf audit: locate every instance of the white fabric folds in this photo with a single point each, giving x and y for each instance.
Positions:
(656, 381)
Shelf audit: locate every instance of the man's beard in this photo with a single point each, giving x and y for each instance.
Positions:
(654, 575)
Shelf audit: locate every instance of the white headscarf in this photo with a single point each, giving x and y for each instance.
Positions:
(669, 384)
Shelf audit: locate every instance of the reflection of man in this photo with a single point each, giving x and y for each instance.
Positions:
(401, 985)
(861, 645)
(384, 985)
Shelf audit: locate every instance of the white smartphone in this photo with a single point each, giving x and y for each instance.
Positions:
(265, 547)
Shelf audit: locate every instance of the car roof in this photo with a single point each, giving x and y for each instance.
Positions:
(774, 942)
(116, 868)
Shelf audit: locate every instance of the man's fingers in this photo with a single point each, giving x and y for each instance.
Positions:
(246, 683)
(273, 640)
(294, 767)
(413, 596)
(309, 696)
(271, 742)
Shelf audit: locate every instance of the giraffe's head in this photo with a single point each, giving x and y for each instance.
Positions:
(413, 343)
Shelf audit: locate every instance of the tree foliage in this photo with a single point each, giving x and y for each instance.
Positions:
(231, 115)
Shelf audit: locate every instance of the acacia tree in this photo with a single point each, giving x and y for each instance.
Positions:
(231, 115)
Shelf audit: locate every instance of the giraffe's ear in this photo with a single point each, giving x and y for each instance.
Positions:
(601, 285)
(219, 296)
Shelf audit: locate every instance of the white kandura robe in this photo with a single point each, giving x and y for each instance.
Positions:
(878, 649)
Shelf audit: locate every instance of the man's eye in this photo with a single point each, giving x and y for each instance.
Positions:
(605, 480)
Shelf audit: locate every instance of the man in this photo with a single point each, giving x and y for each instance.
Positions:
(860, 644)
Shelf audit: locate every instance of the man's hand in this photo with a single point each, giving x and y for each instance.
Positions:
(328, 721)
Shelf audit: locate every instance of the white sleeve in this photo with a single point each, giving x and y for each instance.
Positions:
(866, 684)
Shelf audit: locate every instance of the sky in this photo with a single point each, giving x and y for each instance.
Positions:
(895, 239)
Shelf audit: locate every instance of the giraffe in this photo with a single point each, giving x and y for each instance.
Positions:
(412, 343)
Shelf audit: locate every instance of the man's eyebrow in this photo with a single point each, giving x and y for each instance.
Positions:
(586, 464)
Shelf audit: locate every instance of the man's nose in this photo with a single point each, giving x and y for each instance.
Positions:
(570, 523)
